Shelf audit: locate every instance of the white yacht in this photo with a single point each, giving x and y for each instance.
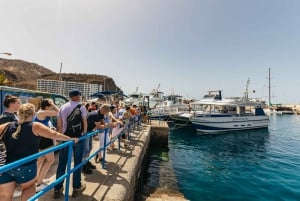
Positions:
(228, 114)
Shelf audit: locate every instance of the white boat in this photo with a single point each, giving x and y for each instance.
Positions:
(229, 114)
(180, 119)
(186, 111)
(135, 98)
(277, 108)
(154, 98)
(174, 108)
(172, 104)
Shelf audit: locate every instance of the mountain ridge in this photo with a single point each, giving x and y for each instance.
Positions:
(23, 74)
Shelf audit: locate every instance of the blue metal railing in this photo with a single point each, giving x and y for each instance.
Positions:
(66, 176)
(70, 170)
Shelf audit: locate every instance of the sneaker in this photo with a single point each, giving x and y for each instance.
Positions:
(102, 159)
(78, 191)
(40, 187)
(58, 193)
(90, 165)
(17, 193)
(85, 169)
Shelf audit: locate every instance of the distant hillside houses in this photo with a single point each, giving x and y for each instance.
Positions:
(63, 87)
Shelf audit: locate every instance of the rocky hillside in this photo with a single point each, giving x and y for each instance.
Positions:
(24, 74)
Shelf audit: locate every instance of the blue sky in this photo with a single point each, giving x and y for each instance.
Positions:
(186, 46)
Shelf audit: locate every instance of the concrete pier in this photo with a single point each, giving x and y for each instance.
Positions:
(119, 181)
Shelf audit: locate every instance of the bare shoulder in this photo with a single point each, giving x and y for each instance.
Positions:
(37, 125)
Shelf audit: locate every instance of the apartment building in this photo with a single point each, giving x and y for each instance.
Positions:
(63, 87)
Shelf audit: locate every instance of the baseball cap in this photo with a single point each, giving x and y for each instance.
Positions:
(74, 92)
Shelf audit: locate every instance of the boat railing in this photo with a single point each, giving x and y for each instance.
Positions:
(165, 110)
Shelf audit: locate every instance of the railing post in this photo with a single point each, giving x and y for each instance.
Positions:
(70, 149)
(104, 149)
(128, 130)
(119, 140)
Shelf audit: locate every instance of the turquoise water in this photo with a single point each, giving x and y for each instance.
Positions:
(246, 165)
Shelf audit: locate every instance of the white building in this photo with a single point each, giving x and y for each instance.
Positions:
(63, 87)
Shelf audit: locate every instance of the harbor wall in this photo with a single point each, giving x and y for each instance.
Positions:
(159, 134)
(135, 165)
(159, 139)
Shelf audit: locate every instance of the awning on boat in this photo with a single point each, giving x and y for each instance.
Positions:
(102, 94)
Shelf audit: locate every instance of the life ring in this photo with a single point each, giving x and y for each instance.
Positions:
(165, 103)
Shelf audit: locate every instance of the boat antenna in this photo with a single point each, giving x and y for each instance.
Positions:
(270, 87)
(158, 86)
(246, 93)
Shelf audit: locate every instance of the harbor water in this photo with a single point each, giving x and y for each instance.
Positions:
(261, 164)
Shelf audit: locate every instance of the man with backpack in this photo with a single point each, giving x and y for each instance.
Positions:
(72, 121)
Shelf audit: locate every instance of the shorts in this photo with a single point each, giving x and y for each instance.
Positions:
(102, 138)
(20, 174)
(45, 143)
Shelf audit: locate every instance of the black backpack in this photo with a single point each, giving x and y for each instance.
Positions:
(7, 117)
(74, 123)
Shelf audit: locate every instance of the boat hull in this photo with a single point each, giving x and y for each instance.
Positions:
(180, 119)
(162, 117)
(207, 124)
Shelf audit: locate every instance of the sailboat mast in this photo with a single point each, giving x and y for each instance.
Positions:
(269, 86)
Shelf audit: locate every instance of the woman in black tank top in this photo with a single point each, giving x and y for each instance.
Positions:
(22, 140)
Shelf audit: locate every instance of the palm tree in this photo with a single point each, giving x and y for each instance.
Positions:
(4, 80)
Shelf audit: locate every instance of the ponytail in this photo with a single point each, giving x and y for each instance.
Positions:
(26, 110)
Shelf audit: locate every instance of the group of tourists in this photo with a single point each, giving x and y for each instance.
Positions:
(26, 131)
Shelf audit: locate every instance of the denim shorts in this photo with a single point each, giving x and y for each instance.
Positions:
(20, 174)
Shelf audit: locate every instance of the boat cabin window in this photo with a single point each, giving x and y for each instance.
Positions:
(224, 110)
(231, 110)
(242, 110)
(135, 96)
